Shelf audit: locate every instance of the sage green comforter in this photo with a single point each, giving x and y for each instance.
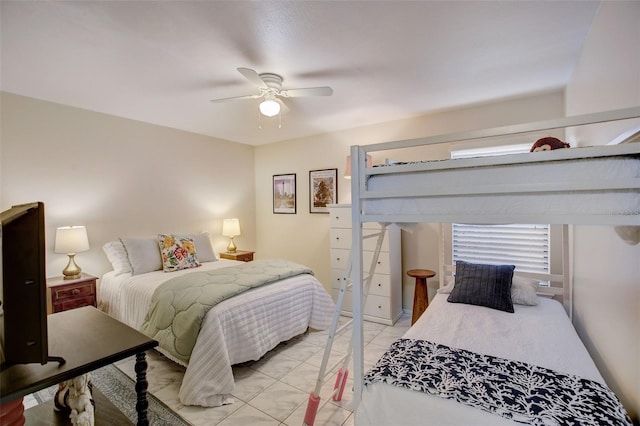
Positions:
(179, 305)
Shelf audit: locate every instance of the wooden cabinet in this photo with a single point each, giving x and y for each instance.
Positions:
(71, 294)
(384, 302)
(242, 255)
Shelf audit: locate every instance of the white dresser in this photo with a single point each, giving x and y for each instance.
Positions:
(384, 302)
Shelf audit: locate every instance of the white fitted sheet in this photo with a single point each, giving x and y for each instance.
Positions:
(541, 335)
(236, 330)
(624, 202)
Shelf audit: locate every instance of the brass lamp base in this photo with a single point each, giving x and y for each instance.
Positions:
(71, 271)
(232, 246)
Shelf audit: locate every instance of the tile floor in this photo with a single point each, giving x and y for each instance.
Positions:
(275, 389)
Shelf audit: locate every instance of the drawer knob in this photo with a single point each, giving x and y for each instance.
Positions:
(75, 291)
(379, 285)
(379, 307)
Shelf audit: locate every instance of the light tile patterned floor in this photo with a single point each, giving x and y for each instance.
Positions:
(275, 389)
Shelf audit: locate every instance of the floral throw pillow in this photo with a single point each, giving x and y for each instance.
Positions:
(177, 253)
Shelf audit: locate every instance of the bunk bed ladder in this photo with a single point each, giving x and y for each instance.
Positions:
(314, 398)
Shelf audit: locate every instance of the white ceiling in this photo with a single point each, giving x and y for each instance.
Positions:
(162, 61)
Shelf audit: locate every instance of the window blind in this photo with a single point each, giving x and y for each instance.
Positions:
(523, 245)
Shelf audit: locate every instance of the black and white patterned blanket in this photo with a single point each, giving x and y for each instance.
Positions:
(515, 390)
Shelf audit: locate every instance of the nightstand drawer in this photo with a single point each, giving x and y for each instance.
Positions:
(74, 303)
(72, 291)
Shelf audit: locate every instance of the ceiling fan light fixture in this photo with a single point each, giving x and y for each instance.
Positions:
(269, 107)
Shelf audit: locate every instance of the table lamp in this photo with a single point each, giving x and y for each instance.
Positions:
(71, 240)
(231, 228)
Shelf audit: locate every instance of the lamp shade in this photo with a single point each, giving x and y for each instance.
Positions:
(231, 227)
(347, 173)
(269, 107)
(71, 239)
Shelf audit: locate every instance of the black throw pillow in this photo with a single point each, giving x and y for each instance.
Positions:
(483, 285)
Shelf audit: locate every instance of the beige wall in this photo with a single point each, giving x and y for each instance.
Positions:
(304, 237)
(606, 270)
(120, 177)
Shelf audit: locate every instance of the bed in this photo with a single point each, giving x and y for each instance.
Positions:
(597, 185)
(236, 330)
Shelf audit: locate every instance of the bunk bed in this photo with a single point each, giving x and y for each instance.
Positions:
(597, 185)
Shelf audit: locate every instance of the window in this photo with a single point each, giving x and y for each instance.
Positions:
(523, 245)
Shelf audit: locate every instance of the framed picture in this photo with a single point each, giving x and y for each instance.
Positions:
(323, 189)
(284, 193)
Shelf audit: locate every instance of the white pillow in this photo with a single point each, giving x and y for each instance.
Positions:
(143, 253)
(449, 282)
(523, 290)
(117, 255)
(203, 245)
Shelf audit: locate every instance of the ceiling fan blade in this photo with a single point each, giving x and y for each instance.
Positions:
(253, 77)
(235, 98)
(283, 106)
(309, 91)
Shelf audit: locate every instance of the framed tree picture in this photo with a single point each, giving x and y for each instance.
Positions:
(323, 189)
(284, 193)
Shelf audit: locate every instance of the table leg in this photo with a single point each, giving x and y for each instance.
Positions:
(420, 299)
(141, 389)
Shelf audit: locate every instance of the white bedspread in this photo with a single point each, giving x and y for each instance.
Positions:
(237, 330)
(540, 335)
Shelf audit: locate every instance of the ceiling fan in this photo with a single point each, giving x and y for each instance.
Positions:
(270, 87)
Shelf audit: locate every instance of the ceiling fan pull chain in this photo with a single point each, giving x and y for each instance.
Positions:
(280, 120)
(259, 121)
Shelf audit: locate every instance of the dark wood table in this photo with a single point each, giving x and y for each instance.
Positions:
(420, 295)
(87, 339)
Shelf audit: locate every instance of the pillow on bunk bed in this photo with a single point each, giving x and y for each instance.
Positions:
(483, 285)
(523, 290)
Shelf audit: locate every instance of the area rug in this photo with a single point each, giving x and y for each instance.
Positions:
(120, 390)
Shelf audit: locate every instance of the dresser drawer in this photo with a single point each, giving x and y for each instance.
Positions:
(341, 238)
(339, 258)
(72, 291)
(337, 277)
(382, 264)
(376, 306)
(380, 284)
(340, 218)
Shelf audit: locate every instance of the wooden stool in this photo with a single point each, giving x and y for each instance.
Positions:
(420, 296)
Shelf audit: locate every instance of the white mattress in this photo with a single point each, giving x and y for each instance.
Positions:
(540, 335)
(236, 330)
(625, 202)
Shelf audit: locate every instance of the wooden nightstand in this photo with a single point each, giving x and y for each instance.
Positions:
(71, 294)
(245, 256)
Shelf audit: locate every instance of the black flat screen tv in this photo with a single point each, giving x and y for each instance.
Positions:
(23, 285)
